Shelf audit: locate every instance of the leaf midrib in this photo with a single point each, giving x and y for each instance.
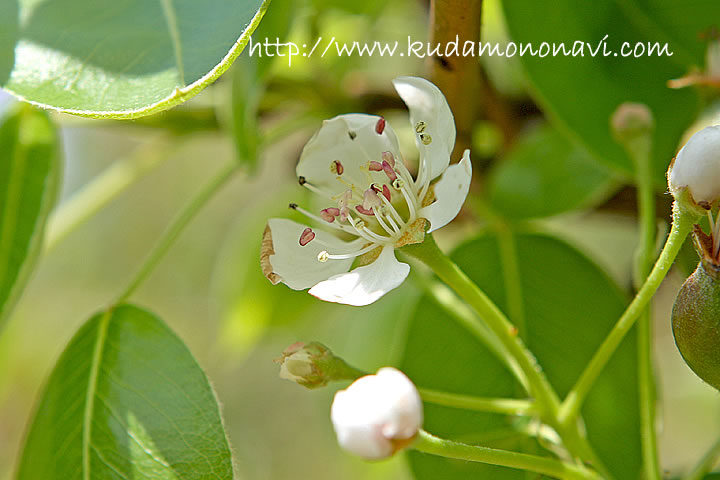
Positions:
(172, 25)
(92, 387)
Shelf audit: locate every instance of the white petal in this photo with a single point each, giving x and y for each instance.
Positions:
(450, 193)
(697, 166)
(298, 267)
(427, 103)
(366, 284)
(374, 411)
(352, 140)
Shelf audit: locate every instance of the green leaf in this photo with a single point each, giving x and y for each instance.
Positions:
(569, 306)
(126, 400)
(580, 93)
(29, 176)
(125, 59)
(545, 174)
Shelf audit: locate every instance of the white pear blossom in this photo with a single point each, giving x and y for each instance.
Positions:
(372, 203)
(697, 168)
(377, 415)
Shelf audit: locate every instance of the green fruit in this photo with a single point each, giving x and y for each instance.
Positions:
(696, 321)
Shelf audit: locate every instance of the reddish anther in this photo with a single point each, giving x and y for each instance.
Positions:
(386, 192)
(306, 236)
(329, 214)
(364, 211)
(337, 167)
(389, 171)
(389, 157)
(380, 126)
(375, 167)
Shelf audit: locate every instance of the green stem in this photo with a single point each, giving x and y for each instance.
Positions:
(428, 443)
(429, 253)
(508, 406)
(706, 463)
(638, 149)
(682, 224)
(102, 189)
(176, 228)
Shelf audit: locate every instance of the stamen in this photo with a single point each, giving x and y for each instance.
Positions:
(410, 200)
(398, 184)
(420, 127)
(386, 192)
(364, 211)
(345, 256)
(301, 180)
(425, 139)
(389, 158)
(389, 171)
(306, 236)
(365, 232)
(379, 218)
(370, 198)
(375, 166)
(336, 168)
(389, 206)
(317, 190)
(323, 256)
(380, 126)
(329, 214)
(352, 135)
(342, 228)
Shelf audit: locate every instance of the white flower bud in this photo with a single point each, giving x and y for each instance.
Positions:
(378, 414)
(696, 170)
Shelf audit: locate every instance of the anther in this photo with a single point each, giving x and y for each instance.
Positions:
(301, 180)
(323, 256)
(364, 211)
(386, 192)
(293, 206)
(375, 167)
(389, 158)
(352, 135)
(306, 236)
(389, 171)
(380, 126)
(425, 139)
(329, 214)
(420, 127)
(336, 167)
(398, 184)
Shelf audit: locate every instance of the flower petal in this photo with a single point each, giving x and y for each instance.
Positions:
(364, 285)
(353, 140)
(427, 104)
(284, 260)
(450, 193)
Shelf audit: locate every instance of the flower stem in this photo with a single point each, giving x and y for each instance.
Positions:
(429, 253)
(433, 445)
(508, 406)
(681, 226)
(706, 463)
(176, 228)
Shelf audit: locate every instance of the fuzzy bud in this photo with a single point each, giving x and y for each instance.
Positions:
(631, 121)
(694, 177)
(313, 365)
(377, 415)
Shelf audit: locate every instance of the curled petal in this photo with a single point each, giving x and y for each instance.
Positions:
(350, 138)
(284, 260)
(427, 104)
(366, 284)
(450, 193)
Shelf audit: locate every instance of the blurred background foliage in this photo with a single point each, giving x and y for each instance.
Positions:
(550, 179)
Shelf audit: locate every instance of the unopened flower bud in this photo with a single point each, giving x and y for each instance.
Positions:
(694, 177)
(631, 121)
(313, 365)
(378, 414)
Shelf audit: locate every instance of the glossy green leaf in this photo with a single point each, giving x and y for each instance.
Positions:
(545, 174)
(580, 93)
(29, 176)
(568, 306)
(126, 400)
(124, 59)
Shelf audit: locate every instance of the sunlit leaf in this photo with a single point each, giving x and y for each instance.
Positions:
(126, 400)
(568, 306)
(29, 175)
(123, 59)
(581, 92)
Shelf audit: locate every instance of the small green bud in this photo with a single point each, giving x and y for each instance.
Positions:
(696, 315)
(313, 365)
(631, 121)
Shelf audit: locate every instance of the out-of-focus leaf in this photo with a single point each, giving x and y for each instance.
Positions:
(545, 174)
(8, 37)
(126, 400)
(580, 93)
(29, 176)
(569, 307)
(125, 59)
(249, 80)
